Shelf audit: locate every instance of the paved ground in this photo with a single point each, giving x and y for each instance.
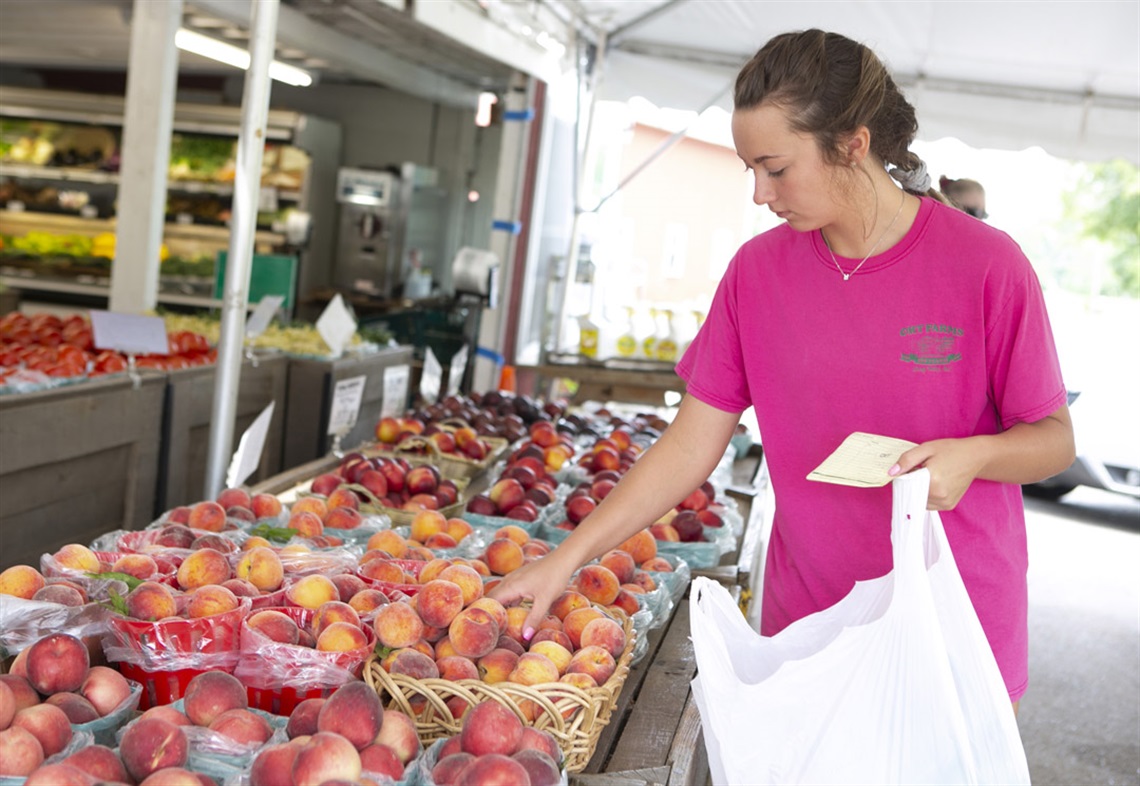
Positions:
(1080, 720)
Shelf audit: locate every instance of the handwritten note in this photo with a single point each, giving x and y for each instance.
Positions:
(861, 460)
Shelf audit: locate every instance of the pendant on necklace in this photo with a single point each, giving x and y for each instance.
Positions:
(846, 276)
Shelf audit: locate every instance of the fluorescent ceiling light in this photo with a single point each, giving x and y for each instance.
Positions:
(231, 55)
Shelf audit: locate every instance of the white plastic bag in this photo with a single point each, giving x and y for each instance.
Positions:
(894, 684)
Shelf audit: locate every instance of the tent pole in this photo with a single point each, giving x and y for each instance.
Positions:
(239, 258)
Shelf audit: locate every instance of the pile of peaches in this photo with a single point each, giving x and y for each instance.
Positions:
(393, 432)
(525, 486)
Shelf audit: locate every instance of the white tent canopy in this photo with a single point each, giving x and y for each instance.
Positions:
(1062, 75)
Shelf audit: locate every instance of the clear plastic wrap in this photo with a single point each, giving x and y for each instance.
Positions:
(175, 644)
(24, 622)
(430, 757)
(677, 580)
(221, 757)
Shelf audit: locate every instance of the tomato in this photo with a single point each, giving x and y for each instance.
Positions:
(110, 363)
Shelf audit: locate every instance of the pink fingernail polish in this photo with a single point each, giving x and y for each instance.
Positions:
(893, 470)
(528, 634)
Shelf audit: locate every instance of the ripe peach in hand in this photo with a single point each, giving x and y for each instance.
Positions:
(309, 592)
(598, 583)
(57, 663)
(262, 568)
(276, 625)
(516, 620)
(202, 567)
(21, 581)
(211, 599)
(341, 637)
(398, 625)
(473, 633)
(502, 556)
(468, 580)
(105, 688)
(210, 694)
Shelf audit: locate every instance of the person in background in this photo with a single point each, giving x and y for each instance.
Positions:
(875, 307)
(964, 194)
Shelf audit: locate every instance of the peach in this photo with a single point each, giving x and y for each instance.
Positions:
(105, 688)
(593, 660)
(78, 557)
(452, 745)
(390, 541)
(59, 774)
(534, 668)
(621, 563)
(353, 711)
(542, 741)
(175, 536)
(432, 568)
(398, 625)
(577, 620)
(177, 776)
(468, 579)
(231, 497)
(440, 600)
(643, 581)
(412, 663)
(381, 760)
(492, 768)
(626, 600)
(657, 565)
(309, 592)
(48, 724)
(598, 583)
(502, 556)
(640, 546)
(440, 540)
(202, 567)
(20, 752)
(481, 568)
(75, 707)
(306, 524)
(458, 529)
(276, 625)
(512, 532)
(262, 568)
(152, 744)
(554, 652)
(490, 728)
(447, 769)
(443, 648)
(241, 588)
(23, 694)
(210, 694)
(579, 680)
(330, 612)
(209, 516)
(457, 667)
(605, 633)
(255, 541)
(303, 718)
(100, 762)
(506, 493)
(541, 769)
(384, 570)
(265, 506)
(342, 498)
(567, 602)
(326, 757)
(7, 706)
(216, 542)
(550, 634)
(343, 517)
(666, 532)
(341, 637)
(315, 505)
(243, 726)
(399, 733)
(62, 594)
(535, 548)
(427, 523)
(211, 599)
(56, 663)
(497, 665)
(141, 566)
(169, 714)
(347, 585)
(516, 620)
(473, 633)
(273, 765)
(494, 608)
(367, 600)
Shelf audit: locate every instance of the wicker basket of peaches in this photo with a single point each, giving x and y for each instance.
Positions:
(449, 647)
(454, 446)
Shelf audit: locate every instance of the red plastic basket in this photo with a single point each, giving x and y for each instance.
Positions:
(282, 700)
(159, 687)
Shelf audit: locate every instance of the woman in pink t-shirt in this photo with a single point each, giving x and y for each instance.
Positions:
(874, 308)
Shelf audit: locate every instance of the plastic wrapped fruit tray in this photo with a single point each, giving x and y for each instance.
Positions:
(574, 716)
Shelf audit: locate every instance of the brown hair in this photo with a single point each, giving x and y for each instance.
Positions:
(829, 86)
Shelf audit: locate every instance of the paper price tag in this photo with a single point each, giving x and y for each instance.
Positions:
(861, 460)
(131, 334)
(346, 404)
(431, 378)
(248, 454)
(395, 390)
(455, 373)
(336, 325)
(262, 315)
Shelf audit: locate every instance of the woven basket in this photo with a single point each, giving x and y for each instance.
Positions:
(370, 504)
(451, 465)
(573, 716)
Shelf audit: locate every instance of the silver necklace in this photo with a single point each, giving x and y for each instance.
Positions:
(847, 276)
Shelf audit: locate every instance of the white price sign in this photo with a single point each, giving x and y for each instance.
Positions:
(262, 315)
(346, 404)
(431, 378)
(131, 334)
(336, 325)
(248, 455)
(455, 373)
(395, 390)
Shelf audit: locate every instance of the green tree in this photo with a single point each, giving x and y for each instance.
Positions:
(1106, 205)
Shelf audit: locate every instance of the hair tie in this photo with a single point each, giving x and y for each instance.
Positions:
(916, 180)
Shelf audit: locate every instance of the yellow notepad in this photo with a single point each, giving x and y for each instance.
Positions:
(862, 460)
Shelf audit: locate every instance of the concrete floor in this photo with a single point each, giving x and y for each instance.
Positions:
(1080, 720)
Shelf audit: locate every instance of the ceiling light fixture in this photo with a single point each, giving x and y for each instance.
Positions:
(189, 41)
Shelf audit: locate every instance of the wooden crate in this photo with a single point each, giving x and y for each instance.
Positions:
(76, 462)
(311, 386)
(186, 425)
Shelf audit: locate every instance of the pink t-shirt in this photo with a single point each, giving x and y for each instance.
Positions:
(944, 335)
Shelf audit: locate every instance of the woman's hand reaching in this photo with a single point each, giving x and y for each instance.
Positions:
(540, 582)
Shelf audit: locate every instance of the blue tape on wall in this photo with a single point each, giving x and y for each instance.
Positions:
(490, 354)
(519, 115)
(514, 227)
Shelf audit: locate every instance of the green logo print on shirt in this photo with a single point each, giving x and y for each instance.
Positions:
(930, 344)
